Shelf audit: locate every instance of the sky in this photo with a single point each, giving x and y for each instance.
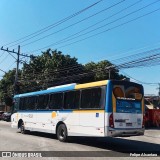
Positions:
(19, 18)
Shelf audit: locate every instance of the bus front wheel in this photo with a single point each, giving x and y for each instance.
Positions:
(62, 133)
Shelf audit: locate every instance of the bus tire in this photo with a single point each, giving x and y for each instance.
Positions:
(22, 128)
(62, 133)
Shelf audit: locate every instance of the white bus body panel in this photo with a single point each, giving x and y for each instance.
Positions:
(125, 124)
(91, 123)
(78, 123)
(82, 123)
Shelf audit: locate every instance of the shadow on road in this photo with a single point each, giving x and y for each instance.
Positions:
(108, 143)
(152, 128)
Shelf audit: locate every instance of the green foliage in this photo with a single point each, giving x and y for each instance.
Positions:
(101, 73)
(6, 85)
(53, 68)
(47, 70)
(8, 101)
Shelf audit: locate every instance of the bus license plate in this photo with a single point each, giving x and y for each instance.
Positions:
(128, 124)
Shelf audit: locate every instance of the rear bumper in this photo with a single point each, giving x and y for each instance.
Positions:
(125, 132)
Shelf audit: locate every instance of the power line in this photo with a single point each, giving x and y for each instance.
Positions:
(74, 23)
(137, 55)
(56, 23)
(17, 60)
(11, 65)
(117, 26)
(50, 81)
(2, 70)
(147, 83)
(131, 51)
(4, 58)
(151, 57)
(122, 24)
(12, 55)
(2, 54)
(82, 73)
(145, 61)
(69, 37)
(9, 51)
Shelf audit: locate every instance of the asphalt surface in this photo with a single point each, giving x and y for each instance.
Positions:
(118, 148)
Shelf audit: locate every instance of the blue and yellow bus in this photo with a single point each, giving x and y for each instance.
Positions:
(98, 109)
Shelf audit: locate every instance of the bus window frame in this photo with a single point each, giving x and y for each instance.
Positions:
(47, 106)
(78, 100)
(103, 93)
(50, 100)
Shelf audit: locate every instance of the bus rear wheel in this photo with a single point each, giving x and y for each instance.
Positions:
(62, 133)
(22, 128)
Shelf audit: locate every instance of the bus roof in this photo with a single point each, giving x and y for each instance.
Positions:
(64, 88)
(92, 84)
(50, 90)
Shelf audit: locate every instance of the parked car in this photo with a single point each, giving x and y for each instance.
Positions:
(6, 116)
(1, 113)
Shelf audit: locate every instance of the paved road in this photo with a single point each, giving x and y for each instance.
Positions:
(11, 140)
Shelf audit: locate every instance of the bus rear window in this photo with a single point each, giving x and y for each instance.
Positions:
(127, 92)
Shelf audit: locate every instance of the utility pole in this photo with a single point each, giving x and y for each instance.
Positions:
(17, 68)
(18, 61)
(109, 69)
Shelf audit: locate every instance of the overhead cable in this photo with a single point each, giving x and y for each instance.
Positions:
(54, 24)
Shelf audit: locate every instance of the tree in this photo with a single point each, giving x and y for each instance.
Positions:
(101, 73)
(6, 85)
(49, 69)
(53, 68)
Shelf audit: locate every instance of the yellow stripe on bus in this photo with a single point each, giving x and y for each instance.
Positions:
(114, 103)
(92, 84)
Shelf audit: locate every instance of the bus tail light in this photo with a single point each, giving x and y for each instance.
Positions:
(111, 121)
(143, 122)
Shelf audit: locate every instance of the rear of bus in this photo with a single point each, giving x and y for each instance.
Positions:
(124, 109)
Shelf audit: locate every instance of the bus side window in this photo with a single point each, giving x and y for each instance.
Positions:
(22, 104)
(56, 101)
(43, 102)
(16, 105)
(71, 100)
(31, 103)
(91, 98)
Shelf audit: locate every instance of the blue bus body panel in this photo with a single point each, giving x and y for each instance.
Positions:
(108, 106)
(64, 88)
(44, 111)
